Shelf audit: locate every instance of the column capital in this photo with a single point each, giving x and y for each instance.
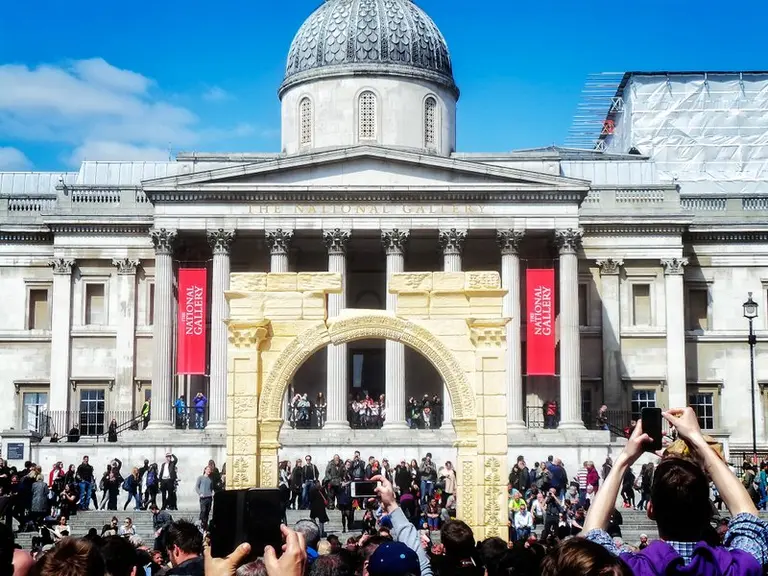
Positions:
(674, 266)
(125, 266)
(220, 240)
(394, 241)
(610, 266)
(279, 241)
(568, 240)
(163, 240)
(62, 266)
(336, 240)
(509, 241)
(452, 241)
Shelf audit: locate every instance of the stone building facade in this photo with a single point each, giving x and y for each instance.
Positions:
(652, 264)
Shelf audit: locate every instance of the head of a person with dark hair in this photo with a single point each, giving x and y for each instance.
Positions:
(120, 557)
(184, 544)
(680, 501)
(491, 551)
(332, 565)
(458, 540)
(580, 557)
(311, 532)
(70, 557)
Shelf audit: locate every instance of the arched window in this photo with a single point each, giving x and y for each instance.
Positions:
(305, 110)
(367, 116)
(430, 122)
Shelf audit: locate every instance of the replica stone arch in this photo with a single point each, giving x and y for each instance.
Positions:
(277, 321)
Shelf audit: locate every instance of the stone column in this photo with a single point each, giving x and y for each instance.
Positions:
(609, 296)
(675, 315)
(337, 380)
(568, 242)
(452, 245)
(61, 321)
(509, 243)
(221, 243)
(394, 242)
(125, 343)
(279, 244)
(161, 416)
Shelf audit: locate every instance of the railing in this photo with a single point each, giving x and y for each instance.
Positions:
(88, 423)
(96, 196)
(704, 203)
(135, 423)
(190, 419)
(618, 420)
(31, 203)
(737, 459)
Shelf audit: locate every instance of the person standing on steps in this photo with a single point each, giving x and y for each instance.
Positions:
(200, 402)
(168, 481)
(204, 490)
(180, 405)
(311, 474)
(85, 476)
(145, 410)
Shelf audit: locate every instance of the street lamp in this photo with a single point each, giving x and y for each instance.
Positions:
(750, 313)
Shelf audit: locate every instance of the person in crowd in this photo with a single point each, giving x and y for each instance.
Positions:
(581, 478)
(56, 474)
(111, 529)
(559, 476)
(762, 486)
(180, 408)
(607, 467)
(104, 487)
(54, 438)
(74, 434)
(168, 480)
(39, 504)
(537, 507)
(297, 484)
(646, 480)
(402, 478)
(602, 418)
(121, 558)
(113, 483)
(344, 501)
(627, 488)
(70, 476)
(357, 472)
(680, 506)
(334, 473)
(199, 403)
(284, 485)
(428, 476)
(523, 523)
(448, 479)
(644, 542)
(146, 409)
(318, 505)
(161, 519)
(748, 476)
(580, 557)
(593, 478)
(151, 481)
(550, 414)
(68, 500)
(127, 529)
(112, 431)
(552, 511)
(310, 533)
(216, 477)
(459, 551)
(519, 477)
(310, 473)
(433, 516)
(204, 491)
(131, 485)
(73, 557)
(184, 546)
(321, 409)
(85, 477)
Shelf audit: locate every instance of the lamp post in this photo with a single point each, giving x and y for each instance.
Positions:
(750, 313)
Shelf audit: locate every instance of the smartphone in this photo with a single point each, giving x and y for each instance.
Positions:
(651, 419)
(363, 489)
(252, 516)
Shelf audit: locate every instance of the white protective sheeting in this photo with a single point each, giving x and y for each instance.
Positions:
(709, 130)
(33, 183)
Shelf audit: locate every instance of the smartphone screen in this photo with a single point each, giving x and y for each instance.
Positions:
(363, 489)
(252, 516)
(651, 419)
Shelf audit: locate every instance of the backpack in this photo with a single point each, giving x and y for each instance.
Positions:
(128, 484)
(151, 478)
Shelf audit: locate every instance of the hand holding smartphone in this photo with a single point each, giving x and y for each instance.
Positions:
(252, 516)
(651, 422)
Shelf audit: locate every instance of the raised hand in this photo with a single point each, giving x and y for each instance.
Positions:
(293, 562)
(686, 423)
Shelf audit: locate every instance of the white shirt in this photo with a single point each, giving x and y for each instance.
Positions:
(166, 471)
(523, 519)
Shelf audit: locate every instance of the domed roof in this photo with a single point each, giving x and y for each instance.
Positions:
(345, 37)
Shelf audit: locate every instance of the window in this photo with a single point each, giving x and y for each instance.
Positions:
(583, 305)
(367, 116)
(587, 404)
(34, 405)
(151, 305)
(95, 310)
(430, 122)
(703, 403)
(698, 309)
(38, 312)
(92, 412)
(305, 110)
(641, 304)
(642, 399)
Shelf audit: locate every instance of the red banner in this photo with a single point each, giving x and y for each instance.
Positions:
(540, 342)
(190, 345)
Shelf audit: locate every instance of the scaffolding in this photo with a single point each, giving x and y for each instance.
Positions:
(595, 119)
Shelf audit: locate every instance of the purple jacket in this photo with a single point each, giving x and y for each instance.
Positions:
(660, 559)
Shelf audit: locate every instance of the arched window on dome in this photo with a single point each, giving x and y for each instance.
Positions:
(305, 113)
(366, 120)
(430, 123)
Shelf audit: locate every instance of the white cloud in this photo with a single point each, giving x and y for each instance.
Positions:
(216, 94)
(99, 111)
(13, 159)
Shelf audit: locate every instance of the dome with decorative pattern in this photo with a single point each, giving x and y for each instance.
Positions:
(391, 37)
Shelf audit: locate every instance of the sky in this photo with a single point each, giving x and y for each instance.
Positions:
(144, 80)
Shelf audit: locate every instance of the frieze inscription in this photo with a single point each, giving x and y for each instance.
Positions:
(370, 209)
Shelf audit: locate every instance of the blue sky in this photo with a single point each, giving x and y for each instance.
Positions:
(103, 80)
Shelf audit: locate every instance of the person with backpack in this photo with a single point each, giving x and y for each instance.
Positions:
(150, 494)
(131, 485)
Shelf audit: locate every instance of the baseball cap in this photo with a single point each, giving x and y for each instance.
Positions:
(393, 558)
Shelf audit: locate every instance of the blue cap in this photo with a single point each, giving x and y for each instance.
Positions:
(393, 558)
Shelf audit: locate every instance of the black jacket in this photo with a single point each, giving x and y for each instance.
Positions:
(171, 469)
(310, 473)
(85, 472)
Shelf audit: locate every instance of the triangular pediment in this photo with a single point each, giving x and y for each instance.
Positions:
(360, 166)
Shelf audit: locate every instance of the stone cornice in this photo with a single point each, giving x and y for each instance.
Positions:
(632, 229)
(100, 227)
(26, 237)
(725, 236)
(504, 175)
